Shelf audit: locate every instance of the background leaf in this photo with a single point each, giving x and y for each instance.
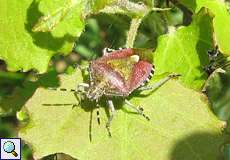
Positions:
(14, 102)
(181, 126)
(23, 49)
(126, 7)
(184, 50)
(221, 21)
(96, 5)
(218, 93)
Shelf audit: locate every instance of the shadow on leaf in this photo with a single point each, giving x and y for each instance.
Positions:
(203, 46)
(21, 95)
(58, 156)
(205, 146)
(43, 39)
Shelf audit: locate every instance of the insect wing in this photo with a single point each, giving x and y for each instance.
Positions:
(141, 72)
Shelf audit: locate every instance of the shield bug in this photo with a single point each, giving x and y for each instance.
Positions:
(117, 74)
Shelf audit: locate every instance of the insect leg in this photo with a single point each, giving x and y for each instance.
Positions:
(98, 114)
(138, 109)
(113, 112)
(159, 83)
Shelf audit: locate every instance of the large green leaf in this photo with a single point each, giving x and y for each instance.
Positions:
(23, 49)
(221, 21)
(184, 50)
(181, 126)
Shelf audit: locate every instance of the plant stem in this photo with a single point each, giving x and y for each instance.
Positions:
(131, 36)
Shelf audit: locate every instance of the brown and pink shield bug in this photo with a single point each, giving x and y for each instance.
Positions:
(117, 74)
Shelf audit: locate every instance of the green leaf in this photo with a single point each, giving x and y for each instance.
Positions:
(184, 51)
(23, 49)
(218, 93)
(181, 126)
(221, 21)
(127, 7)
(117, 7)
(96, 5)
(48, 22)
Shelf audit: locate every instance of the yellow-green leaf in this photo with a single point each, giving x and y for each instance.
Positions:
(184, 50)
(181, 126)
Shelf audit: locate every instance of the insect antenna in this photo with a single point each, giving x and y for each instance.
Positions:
(60, 104)
(80, 88)
(63, 89)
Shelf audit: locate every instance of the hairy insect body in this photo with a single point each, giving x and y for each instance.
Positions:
(117, 74)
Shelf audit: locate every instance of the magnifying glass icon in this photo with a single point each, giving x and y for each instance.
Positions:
(9, 147)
